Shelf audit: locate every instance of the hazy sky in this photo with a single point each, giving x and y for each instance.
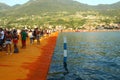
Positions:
(90, 2)
(13, 2)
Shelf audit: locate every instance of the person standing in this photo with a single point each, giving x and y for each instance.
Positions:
(1, 38)
(23, 37)
(31, 37)
(37, 36)
(15, 41)
(8, 41)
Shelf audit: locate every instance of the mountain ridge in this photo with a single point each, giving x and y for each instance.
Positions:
(33, 7)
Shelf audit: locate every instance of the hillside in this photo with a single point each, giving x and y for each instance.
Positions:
(3, 7)
(68, 13)
(40, 6)
(37, 7)
(109, 10)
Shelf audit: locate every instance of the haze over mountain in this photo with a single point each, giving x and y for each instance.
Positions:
(40, 6)
(4, 6)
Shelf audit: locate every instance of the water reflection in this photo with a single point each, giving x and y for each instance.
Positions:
(91, 56)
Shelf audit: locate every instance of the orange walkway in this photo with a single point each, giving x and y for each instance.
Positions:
(31, 63)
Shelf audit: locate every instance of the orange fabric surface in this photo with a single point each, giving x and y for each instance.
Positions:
(31, 63)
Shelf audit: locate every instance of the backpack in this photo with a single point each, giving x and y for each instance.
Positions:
(34, 33)
(16, 50)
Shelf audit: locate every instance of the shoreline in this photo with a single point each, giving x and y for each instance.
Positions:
(90, 30)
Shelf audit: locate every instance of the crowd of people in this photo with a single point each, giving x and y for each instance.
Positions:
(12, 37)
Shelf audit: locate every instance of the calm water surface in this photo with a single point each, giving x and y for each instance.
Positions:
(91, 56)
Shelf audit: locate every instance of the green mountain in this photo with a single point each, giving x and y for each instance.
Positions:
(110, 10)
(37, 7)
(17, 5)
(108, 7)
(4, 7)
(69, 13)
(40, 6)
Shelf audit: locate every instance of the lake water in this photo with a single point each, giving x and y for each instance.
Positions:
(91, 56)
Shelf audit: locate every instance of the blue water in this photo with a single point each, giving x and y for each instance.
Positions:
(91, 56)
